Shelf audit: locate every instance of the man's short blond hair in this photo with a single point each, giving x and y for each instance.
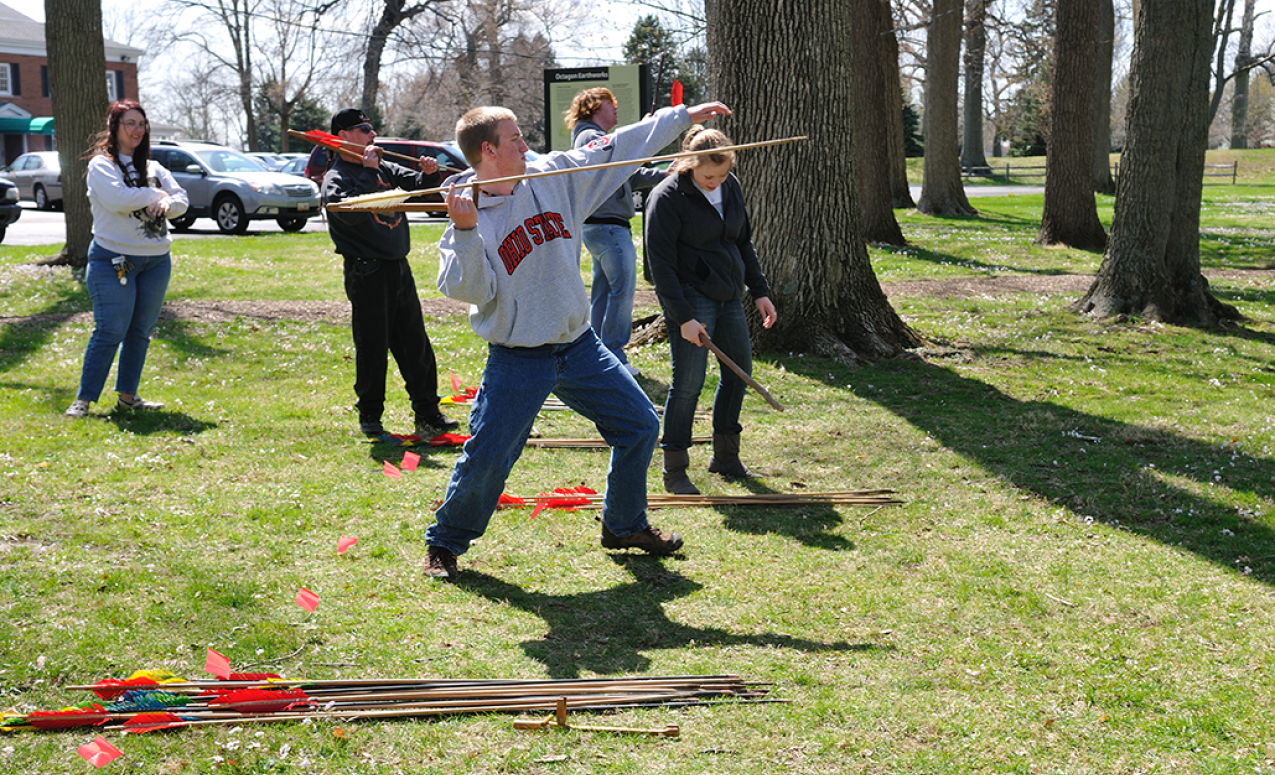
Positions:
(478, 126)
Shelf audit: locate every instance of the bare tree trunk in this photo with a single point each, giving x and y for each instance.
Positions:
(393, 14)
(1103, 183)
(872, 129)
(1243, 58)
(900, 191)
(972, 154)
(77, 79)
(1152, 264)
(942, 192)
(1070, 215)
(808, 238)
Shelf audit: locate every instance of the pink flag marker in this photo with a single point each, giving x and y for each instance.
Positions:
(410, 459)
(392, 471)
(307, 600)
(217, 665)
(100, 753)
(344, 543)
(455, 381)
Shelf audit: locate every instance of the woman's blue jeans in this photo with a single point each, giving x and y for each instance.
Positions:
(728, 328)
(516, 381)
(614, 281)
(123, 317)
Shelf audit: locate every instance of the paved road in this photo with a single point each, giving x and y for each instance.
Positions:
(43, 227)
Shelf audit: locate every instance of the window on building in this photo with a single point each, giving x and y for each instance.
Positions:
(6, 79)
(111, 96)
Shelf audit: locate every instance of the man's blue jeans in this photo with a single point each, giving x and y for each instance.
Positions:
(728, 328)
(516, 381)
(614, 280)
(123, 318)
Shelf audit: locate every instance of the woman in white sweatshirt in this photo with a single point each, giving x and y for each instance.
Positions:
(132, 199)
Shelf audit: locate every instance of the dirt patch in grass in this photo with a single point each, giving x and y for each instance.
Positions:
(317, 311)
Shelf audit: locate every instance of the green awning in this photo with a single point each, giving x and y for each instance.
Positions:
(26, 126)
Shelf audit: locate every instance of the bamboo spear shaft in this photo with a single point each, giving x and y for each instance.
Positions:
(438, 682)
(393, 198)
(752, 383)
(355, 151)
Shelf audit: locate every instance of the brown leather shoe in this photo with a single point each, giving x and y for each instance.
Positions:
(442, 565)
(652, 540)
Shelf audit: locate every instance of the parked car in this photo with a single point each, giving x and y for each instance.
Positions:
(295, 166)
(39, 178)
(10, 210)
(232, 189)
(447, 156)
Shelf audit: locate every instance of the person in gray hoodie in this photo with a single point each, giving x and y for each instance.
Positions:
(512, 251)
(607, 233)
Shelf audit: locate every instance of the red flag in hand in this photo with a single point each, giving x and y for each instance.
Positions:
(677, 92)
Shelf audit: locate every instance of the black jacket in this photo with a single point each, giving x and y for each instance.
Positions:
(370, 234)
(687, 243)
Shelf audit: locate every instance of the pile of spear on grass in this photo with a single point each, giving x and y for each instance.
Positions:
(144, 704)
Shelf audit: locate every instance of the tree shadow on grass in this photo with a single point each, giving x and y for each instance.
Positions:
(609, 630)
(809, 524)
(1136, 478)
(20, 340)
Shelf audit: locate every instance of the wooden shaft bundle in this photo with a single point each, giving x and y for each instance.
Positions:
(204, 703)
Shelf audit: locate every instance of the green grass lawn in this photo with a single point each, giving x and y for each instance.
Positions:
(1081, 580)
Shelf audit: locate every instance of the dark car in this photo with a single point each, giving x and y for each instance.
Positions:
(10, 210)
(449, 159)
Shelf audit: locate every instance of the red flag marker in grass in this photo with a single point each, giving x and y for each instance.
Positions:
(307, 600)
(410, 459)
(344, 543)
(100, 753)
(217, 665)
(455, 382)
(392, 471)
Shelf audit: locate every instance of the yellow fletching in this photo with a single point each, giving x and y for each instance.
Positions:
(376, 201)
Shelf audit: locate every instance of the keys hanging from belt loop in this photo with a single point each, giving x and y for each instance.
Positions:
(122, 267)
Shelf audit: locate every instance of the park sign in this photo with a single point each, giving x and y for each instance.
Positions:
(626, 82)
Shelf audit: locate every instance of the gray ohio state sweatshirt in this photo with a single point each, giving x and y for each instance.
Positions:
(519, 269)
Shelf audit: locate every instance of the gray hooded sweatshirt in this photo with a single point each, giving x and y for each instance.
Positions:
(519, 269)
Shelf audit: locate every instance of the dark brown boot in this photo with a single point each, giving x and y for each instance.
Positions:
(675, 480)
(725, 459)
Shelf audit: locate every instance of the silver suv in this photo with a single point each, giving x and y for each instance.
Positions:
(233, 189)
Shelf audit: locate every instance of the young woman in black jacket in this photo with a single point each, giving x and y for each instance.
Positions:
(700, 251)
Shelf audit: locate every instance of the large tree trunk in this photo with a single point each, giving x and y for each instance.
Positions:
(807, 235)
(1070, 215)
(973, 157)
(1103, 183)
(900, 191)
(1243, 59)
(77, 79)
(872, 129)
(1152, 265)
(942, 192)
(393, 14)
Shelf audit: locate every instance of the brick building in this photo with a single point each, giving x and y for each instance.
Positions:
(26, 107)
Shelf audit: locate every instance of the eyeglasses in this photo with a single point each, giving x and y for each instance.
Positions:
(131, 125)
(363, 127)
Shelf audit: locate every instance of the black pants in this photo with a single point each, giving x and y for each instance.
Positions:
(387, 319)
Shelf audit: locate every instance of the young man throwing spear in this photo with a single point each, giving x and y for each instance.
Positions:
(512, 252)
